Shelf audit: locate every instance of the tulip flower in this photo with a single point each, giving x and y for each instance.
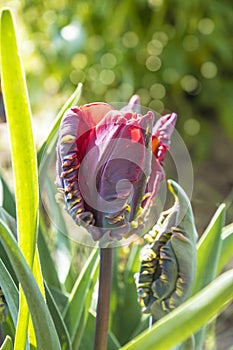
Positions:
(110, 165)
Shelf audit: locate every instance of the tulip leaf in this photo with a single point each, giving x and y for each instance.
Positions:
(208, 254)
(181, 323)
(7, 345)
(10, 292)
(47, 263)
(48, 146)
(22, 143)
(58, 321)
(11, 223)
(23, 154)
(208, 250)
(45, 331)
(227, 246)
(8, 201)
(77, 304)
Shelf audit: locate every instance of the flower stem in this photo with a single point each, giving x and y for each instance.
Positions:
(102, 317)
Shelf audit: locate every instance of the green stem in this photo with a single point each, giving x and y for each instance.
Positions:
(102, 317)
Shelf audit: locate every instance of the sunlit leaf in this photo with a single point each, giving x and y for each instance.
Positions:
(45, 331)
(23, 154)
(208, 250)
(208, 254)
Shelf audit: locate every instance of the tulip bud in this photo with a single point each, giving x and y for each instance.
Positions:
(168, 262)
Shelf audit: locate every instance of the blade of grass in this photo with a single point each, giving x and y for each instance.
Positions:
(45, 331)
(23, 154)
(187, 318)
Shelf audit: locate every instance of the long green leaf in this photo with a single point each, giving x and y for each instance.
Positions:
(208, 250)
(208, 254)
(46, 334)
(181, 323)
(78, 296)
(8, 199)
(58, 321)
(11, 223)
(227, 247)
(23, 154)
(21, 136)
(47, 263)
(10, 291)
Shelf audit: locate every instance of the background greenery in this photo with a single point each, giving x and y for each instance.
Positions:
(176, 54)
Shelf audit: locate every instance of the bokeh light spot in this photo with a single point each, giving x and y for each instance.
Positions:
(189, 83)
(108, 60)
(162, 37)
(154, 47)
(144, 96)
(79, 61)
(153, 63)
(107, 76)
(130, 39)
(157, 106)
(206, 26)
(157, 91)
(209, 70)
(192, 127)
(71, 32)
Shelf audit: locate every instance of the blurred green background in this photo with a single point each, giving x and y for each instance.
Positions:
(177, 55)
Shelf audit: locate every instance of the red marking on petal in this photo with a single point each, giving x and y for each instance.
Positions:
(135, 134)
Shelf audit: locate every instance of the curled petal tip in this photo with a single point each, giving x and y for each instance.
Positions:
(133, 105)
(173, 118)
